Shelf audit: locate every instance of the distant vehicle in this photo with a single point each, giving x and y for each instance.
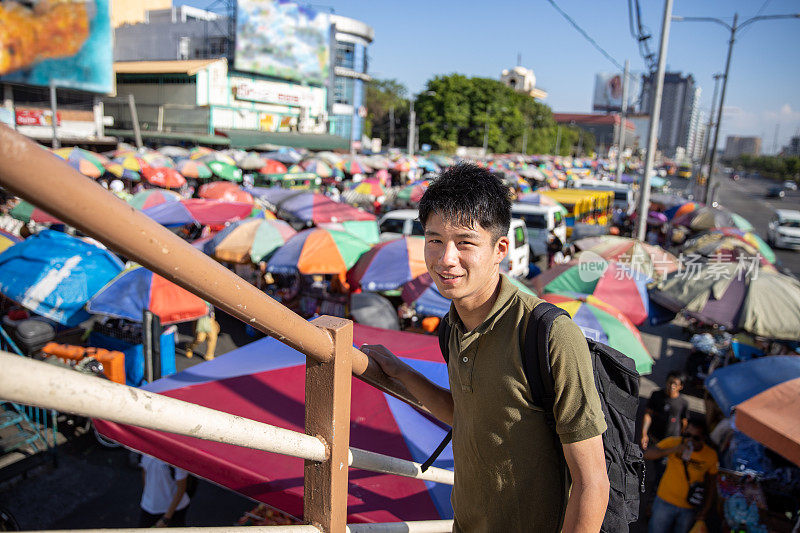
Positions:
(623, 194)
(685, 171)
(540, 220)
(776, 192)
(734, 176)
(783, 231)
(405, 222)
(790, 185)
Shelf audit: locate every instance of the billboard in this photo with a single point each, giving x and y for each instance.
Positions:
(284, 40)
(66, 42)
(608, 91)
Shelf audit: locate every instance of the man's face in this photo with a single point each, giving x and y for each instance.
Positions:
(694, 434)
(674, 387)
(462, 261)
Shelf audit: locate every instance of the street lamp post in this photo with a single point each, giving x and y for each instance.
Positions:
(733, 29)
(412, 119)
(707, 136)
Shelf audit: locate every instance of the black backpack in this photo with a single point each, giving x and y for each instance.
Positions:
(191, 481)
(617, 383)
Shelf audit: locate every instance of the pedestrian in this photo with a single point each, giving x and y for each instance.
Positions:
(685, 492)
(554, 246)
(667, 412)
(511, 468)
(164, 500)
(206, 330)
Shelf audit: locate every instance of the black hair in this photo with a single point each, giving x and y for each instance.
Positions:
(698, 422)
(467, 194)
(676, 374)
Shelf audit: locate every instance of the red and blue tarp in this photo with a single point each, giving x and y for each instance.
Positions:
(389, 265)
(198, 211)
(265, 381)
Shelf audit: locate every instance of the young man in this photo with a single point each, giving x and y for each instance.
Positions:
(510, 471)
(689, 461)
(164, 500)
(666, 413)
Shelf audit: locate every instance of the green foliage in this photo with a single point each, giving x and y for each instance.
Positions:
(385, 98)
(770, 166)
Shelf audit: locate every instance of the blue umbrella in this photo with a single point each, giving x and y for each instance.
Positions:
(54, 275)
(732, 385)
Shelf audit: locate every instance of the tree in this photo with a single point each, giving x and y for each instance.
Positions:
(387, 104)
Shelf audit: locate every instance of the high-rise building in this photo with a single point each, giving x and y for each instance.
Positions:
(678, 105)
(793, 148)
(694, 133)
(736, 146)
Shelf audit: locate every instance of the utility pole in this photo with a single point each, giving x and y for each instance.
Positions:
(655, 115)
(54, 110)
(558, 140)
(391, 127)
(486, 134)
(622, 120)
(525, 140)
(412, 121)
(707, 139)
(137, 133)
(775, 140)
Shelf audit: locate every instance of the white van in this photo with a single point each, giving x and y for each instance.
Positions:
(539, 221)
(406, 222)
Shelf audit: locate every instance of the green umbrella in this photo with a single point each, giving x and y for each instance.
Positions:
(225, 171)
(366, 230)
(742, 223)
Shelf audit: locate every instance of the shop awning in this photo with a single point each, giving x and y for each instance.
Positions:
(247, 139)
(214, 140)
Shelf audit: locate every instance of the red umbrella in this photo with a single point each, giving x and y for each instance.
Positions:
(273, 167)
(226, 191)
(165, 177)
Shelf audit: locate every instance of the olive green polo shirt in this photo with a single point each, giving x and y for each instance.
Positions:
(509, 469)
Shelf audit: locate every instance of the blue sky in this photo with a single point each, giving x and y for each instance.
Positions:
(416, 39)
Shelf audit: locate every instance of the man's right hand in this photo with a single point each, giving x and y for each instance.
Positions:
(391, 365)
(644, 442)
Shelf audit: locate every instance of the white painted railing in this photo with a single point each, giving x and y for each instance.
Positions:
(423, 526)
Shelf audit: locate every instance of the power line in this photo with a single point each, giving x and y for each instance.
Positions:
(586, 35)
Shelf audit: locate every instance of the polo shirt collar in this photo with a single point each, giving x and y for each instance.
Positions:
(507, 292)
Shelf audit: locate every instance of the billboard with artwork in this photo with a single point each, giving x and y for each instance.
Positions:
(66, 42)
(608, 91)
(284, 40)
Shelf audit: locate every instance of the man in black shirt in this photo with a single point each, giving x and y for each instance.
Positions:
(667, 412)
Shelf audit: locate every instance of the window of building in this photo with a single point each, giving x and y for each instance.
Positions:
(341, 126)
(343, 90)
(345, 55)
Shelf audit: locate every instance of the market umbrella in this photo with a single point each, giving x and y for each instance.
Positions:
(370, 188)
(225, 170)
(722, 248)
(192, 168)
(318, 167)
(225, 191)
(389, 265)
(752, 299)
(165, 177)
(273, 167)
(265, 381)
(136, 290)
(704, 218)
(7, 240)
(652, 260)
(366, 230)
(296, 169)
(309, 207)
(771, 418)
(428, 301)
(200, 151)
(732, 385)
(318, 251)
(251, 161)
(131, 162)
(155, 159)
(248, 240)
(751, 238)
(742, 223)
(198, 211)
(217, 157)
(615, 283)
(285, 157)
(119, 171)
(27, 212)
(54, 274)
(153, 197)
(413, 191)
(87, 163)
(605, 323)
(175, 152)
(678, 210)
(353, 166)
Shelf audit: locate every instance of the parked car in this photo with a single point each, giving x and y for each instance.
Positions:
(790, 185)
(776, 192)
(783, 231)
(406, 222)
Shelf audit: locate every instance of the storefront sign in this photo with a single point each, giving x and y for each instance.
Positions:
(272, 93)
(36, 117)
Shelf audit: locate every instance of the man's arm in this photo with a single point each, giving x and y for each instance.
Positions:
(655, 453)
(436, 399)
(588, 498)
(176, 499)
(647, 420)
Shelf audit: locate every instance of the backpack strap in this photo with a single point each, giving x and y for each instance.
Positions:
(536, 358)
(444, 346)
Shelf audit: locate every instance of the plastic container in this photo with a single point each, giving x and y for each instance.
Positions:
(31, 335)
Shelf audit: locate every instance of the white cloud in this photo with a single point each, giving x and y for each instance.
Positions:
(737, 121)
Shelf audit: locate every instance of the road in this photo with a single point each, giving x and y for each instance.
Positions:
(747, 197)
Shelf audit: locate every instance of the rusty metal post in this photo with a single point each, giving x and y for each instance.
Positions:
(328, 418)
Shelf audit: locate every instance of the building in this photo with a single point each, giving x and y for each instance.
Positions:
(522, 80)
(605, 128)
(679, 103)
(793, 148)
(184, 45)
(736, 146)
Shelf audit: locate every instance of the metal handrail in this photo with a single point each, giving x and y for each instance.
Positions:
(421, 526)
